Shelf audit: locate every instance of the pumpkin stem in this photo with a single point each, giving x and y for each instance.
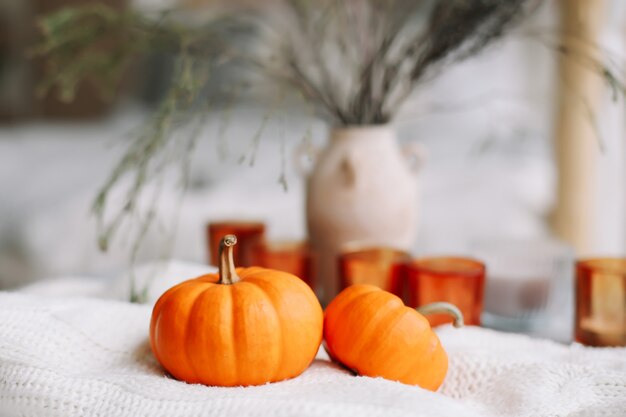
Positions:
(443, 308)
(228, 274)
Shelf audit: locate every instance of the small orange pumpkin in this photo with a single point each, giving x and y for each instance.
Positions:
(373, 333)
(244, 326)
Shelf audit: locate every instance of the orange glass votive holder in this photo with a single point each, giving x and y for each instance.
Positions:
(382, 267)
(460, 281)
(601, 302)
(249, 234)
(295, 258)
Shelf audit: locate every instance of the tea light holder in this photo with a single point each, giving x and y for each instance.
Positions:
(294, 257)
(601, 302)
(249, 234)
(528, 286)
(455, 280)
(383, 267)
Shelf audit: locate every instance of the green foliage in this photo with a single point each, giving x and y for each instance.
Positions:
(96, 43)
(91, 42)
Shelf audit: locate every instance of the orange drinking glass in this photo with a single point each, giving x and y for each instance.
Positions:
(249, 234)
(459, 281)
(382, 267)
(601, 302)
(293, 257)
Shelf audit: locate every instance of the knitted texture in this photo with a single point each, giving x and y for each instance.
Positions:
(91, 357)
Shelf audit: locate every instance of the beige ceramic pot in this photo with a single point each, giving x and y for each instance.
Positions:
(363, 188)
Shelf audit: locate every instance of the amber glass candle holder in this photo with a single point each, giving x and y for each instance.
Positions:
(293, 257)
(382, 267)
(601, 302)
(459, 281)
(249, 234)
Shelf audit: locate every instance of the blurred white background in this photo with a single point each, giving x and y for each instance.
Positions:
(486, 125)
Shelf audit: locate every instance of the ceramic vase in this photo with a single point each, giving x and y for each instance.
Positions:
(363, 188)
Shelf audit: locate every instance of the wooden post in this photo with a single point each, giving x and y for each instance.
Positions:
(577, 144)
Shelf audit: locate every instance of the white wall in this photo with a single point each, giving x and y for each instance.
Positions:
(610, 207)
(486, 125)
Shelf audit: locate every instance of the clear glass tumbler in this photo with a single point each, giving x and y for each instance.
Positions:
(529, 287)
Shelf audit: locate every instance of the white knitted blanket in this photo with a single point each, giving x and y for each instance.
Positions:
(87, 356)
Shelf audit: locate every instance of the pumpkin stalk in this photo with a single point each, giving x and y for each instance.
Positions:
(443, 308)
(227, 272)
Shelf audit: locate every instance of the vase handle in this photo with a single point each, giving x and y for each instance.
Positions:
(415, 155)
(347, 172)
(304, 158)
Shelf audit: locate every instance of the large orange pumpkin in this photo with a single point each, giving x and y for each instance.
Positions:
(373, 333)
(244, 326)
